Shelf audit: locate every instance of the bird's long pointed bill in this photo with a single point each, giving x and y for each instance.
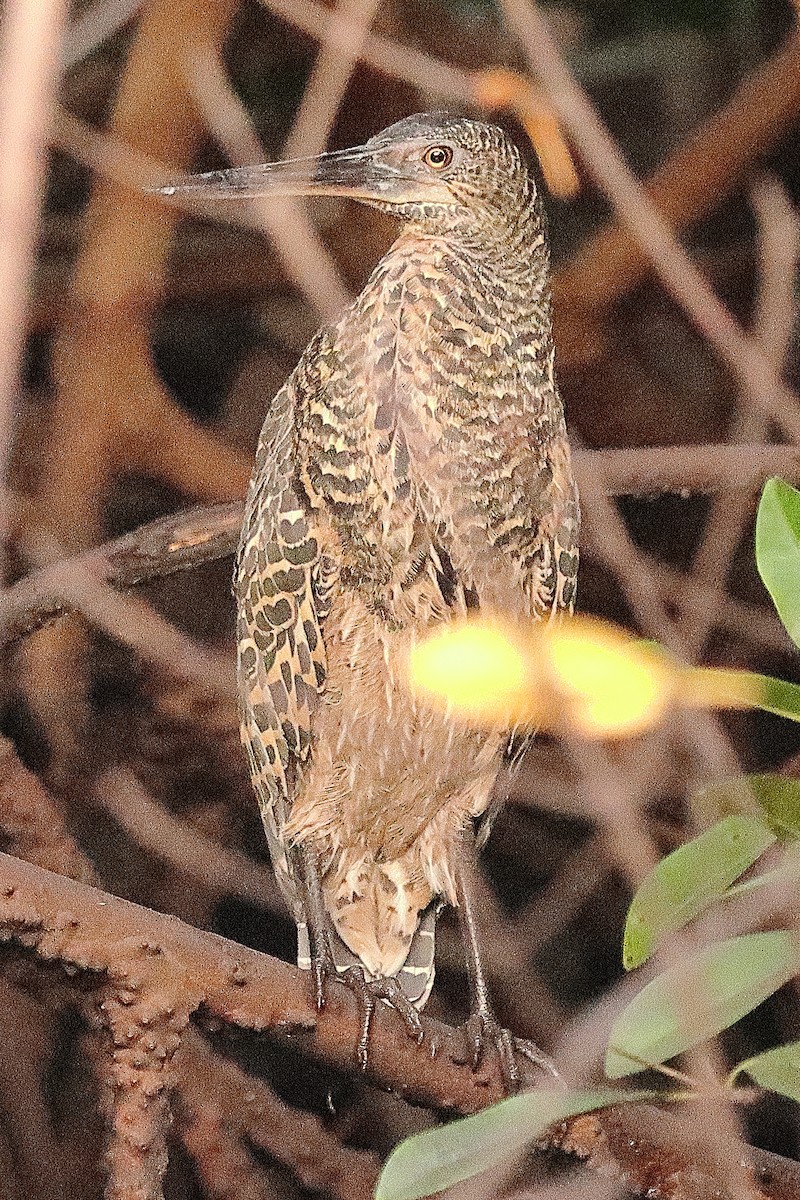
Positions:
(341, 173)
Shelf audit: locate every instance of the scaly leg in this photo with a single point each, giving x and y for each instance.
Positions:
(321, 957)
(366, 991)
(482, 1026)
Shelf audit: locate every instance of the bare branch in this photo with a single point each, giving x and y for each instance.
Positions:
(690, 184)
(195, 855)
(95, 25)
(201, 535)
(28, 61)
(90, 930)
(646, 1144)
(697, 470)
(219, 1093)
(170, 544)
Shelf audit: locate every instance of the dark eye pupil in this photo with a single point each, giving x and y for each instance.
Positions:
(438, 156)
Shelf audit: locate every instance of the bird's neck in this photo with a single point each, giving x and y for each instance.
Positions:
(500, 276)
(508, 246)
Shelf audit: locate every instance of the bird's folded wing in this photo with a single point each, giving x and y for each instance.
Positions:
(281, 656)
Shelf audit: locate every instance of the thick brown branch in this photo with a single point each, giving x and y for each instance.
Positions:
(145, 1024)
(90, 930)
(32, 825)
(174, 543)
(221, 1097)
(666, 1154)
(207, 1081)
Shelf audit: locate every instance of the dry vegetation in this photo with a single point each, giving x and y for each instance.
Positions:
(130, 1038)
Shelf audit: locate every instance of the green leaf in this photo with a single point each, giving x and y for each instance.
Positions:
(439, 1158)
(778, 550)
(776, 796)
(690, 879)
(698, 998)
(778, 696)
(778, 1070)
(716, 687)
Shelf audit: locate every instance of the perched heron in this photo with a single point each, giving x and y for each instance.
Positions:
(414, 466)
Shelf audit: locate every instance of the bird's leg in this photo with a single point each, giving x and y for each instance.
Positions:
(321, 957)
(366, 991)
(482, 1026)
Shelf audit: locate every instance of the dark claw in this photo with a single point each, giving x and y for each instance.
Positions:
(390, 991)
(531, 1051)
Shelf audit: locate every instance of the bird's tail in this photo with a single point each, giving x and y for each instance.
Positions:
(415, 976)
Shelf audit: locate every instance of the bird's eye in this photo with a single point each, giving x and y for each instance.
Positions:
(438, 157)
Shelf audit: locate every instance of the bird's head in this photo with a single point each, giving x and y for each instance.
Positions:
(435, 169)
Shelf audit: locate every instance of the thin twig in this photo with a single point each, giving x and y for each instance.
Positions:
(298, 245)
(95, 25)
(688, 470)
(779, 239)
(328, 81)
(680, 276)
(30, 37)
(190, 852)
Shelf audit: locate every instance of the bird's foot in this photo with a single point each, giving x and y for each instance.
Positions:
(482, 1031)
(368, 992)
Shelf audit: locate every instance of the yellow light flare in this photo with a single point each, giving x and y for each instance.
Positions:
(579, 673)
(479, 669)
(610, 684)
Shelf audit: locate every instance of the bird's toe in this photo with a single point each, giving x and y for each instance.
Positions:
(368, 992)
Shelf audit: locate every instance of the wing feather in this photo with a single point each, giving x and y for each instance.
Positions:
(281, 653)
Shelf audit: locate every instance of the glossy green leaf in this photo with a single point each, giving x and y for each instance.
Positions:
(776, 796)
(778, 696)
(690, 879)
(699, 997)
(778, 551)
(439, 1158)
(778, 1070)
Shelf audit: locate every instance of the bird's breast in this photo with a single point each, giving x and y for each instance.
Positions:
(437, 416)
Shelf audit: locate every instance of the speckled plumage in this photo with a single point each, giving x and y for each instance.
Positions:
(413, 466)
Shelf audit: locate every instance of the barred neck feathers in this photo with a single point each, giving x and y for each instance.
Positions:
(462, 299)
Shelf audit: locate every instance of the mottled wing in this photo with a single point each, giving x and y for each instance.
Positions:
(281, 655)
(555, 564)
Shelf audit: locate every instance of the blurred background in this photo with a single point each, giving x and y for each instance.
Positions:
(151, 343)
